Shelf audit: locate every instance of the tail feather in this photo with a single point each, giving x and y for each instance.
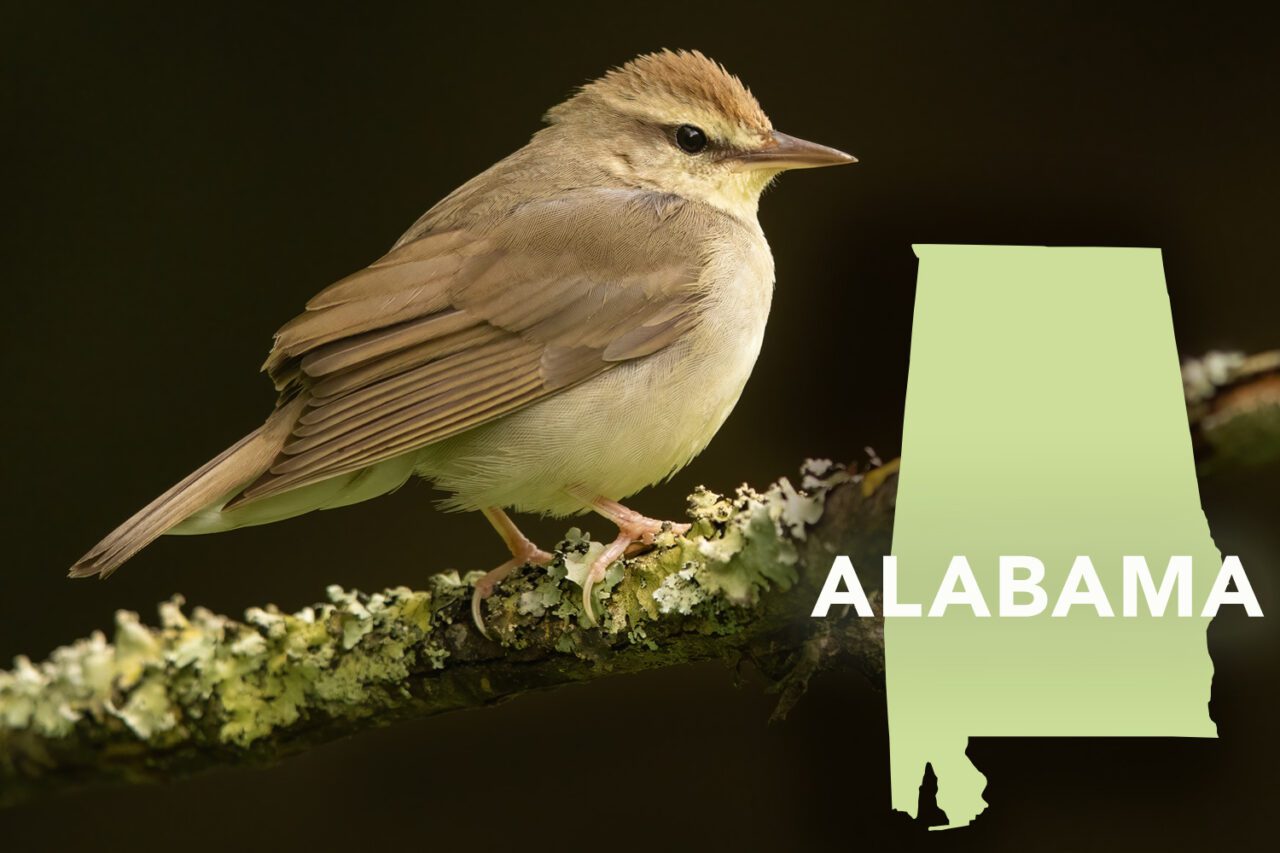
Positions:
(236, 466)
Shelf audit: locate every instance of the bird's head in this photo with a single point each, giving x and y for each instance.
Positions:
(677, 122)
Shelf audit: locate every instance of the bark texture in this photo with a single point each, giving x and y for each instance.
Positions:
(201, 690)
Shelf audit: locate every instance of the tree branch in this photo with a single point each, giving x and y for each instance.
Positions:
(1233, 401)
(204, 691)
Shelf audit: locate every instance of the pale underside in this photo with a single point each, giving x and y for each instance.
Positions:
(591, 341)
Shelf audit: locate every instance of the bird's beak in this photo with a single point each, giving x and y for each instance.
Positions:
(787, 152)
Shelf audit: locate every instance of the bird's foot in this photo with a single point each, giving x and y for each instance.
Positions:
(523, 553)
(636, 533)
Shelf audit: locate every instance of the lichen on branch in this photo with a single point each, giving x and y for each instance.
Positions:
(200, 690)
(203, 690)
(1233, 401)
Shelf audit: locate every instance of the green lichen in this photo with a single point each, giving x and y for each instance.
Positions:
(739, 547)
(747, 544)
(201, 677)
(252, 677)
(680, 592)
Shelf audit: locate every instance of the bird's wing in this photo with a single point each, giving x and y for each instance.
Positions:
(461, 326)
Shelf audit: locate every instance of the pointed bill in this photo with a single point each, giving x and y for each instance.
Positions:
(788, 152)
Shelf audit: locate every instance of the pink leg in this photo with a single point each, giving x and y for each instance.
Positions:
(523, 552)
(633, 529)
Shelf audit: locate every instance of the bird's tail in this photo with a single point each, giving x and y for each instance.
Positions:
(236, 466)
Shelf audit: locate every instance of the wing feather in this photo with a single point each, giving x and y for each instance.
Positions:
(361, 349)
(431, 382)
(353, 379)
(479, 408)
(460, 326)
(433, 257)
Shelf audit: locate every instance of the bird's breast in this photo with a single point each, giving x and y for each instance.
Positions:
(632, 425)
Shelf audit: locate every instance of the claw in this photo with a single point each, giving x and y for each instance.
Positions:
(600, 565)
(633, 529)
(484, 588)
(487, 584)
(523, 552)
(477, 616)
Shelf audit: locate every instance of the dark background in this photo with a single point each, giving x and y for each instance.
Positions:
(178, 179)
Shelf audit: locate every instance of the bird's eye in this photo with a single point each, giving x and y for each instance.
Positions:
(690, 139)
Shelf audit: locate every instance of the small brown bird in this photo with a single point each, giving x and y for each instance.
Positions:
(566, 328)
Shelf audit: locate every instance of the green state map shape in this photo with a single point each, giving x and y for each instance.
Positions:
(1045, 417)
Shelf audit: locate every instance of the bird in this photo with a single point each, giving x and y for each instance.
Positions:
(565, 329)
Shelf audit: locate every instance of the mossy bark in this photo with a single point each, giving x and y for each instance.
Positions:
(202, 690)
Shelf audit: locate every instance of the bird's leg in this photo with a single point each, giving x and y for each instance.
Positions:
(522, 551)
(633, 529)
